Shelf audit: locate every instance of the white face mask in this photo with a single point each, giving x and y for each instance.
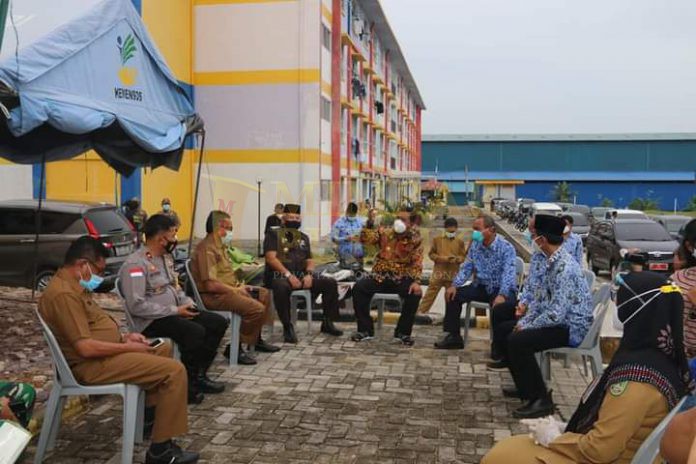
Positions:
(399, 226)
(450, 234)
(566, 230)
(535, 247)
(227, 239)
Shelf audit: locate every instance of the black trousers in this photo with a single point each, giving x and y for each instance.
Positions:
(453, 311)
(500, 316)
(366, 287)
(519, 351)
(326, 287)
(198, 338)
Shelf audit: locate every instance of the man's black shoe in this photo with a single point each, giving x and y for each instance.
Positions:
(405, 339)
(497, 365)
(206, 385)
(289, 334)
(450, 342)
(540, 407)
(328, 327)
(195, 397)
(265, 347)
(172, 455)
(361, 336)
(512, 393)
(245, 359)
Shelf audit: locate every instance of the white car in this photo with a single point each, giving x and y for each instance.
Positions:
(552, 209)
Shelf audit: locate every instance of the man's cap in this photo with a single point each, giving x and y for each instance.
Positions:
(292, 209)
(548, 225)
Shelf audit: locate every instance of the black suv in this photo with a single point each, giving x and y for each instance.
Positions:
(607, 238)
(61, 224)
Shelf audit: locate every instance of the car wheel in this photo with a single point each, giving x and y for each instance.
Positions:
(591, 265)
(43, 278)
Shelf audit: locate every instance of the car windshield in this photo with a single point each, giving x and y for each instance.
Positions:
(108, 221)
(580, 221)
(674, 225)
(642, 232)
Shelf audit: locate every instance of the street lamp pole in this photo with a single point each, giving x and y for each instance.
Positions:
(258, 216)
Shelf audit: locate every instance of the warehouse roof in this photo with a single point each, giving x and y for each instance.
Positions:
(570, 176)
(559, 137)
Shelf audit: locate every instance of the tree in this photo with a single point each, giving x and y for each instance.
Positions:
(691, 205)
(562, 192)
(606, 203)
(644, 204)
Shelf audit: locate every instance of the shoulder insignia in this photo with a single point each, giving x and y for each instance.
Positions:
(618, 389)
(670, 288)
(136, 272)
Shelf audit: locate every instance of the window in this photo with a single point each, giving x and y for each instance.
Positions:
(56, 223)
(17, 222)
(108, 221)
(326, 37)
(325, 109)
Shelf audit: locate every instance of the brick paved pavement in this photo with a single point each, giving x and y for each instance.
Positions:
(330, 400)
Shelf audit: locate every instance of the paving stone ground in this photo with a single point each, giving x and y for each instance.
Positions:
(330, 400)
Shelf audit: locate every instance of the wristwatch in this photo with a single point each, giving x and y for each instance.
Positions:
(287, 275)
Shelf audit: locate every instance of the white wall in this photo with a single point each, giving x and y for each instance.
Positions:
(15, 182)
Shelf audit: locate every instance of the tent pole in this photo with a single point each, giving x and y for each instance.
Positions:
(37, 225)
(195, 195)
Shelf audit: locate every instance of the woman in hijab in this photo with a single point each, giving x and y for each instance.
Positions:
(647, 377)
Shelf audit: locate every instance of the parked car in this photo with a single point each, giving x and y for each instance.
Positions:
(608, 238)
(598, 212)
(564, 206)
(581, 225)
(625, 214)
(582, 209)
(61, 224)
(673, 224)
(546, 208)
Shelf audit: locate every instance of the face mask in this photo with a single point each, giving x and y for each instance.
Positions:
(166, 207)
(477, 236)
(528, 236)
(450, 234)
(93, 283)
(293, 224)
(227, 239)
(171, 246)
(535, 247)
(566, 230)
(399, 226)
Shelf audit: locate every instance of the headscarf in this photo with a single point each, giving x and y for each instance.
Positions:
(651, 349)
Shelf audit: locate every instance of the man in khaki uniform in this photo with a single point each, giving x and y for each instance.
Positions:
(160, 308)
(222, 291)
(98, 354)
(447, 252)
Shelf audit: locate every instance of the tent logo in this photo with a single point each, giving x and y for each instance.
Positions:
(127, 74)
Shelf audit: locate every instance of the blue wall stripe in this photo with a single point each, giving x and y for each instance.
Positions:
(36, 181)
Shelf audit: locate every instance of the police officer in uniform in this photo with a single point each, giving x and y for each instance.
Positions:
(136, 215)
(160, 308)
(289, 267)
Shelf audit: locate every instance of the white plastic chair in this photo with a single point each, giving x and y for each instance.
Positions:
(235, 319)
(382, 298)
(519, 271)
(590, 277)
(176, 354)
(650, 448)
(65, 385)
(589, 349)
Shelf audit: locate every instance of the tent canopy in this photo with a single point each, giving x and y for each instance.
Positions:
(95, 82)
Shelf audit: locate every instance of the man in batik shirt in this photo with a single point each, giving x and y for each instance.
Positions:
(397, 269)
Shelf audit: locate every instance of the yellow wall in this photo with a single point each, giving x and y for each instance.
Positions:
(85, 178)
(169, 23)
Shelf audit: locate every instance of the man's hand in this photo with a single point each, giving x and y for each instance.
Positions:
(137, 347)
(354, 238)
(521, 310)
(134, 337)
(186, 311)
(450, 293)
(415, 289)
(307, 281)
(294, 282)
(498, 300)
(5, 411)
(452, 259)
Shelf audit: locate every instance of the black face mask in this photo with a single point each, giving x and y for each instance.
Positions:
(293, 224)
(171, 246)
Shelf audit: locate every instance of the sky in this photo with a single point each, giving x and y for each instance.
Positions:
(551, 66)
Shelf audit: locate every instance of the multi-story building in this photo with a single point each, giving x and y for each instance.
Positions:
(304, 101)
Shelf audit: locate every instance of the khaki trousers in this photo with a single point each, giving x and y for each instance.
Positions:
(255, 313)
(433, 289)
(163, 379)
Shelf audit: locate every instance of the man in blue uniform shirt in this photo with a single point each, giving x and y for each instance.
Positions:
(572, 241)
(559, 313)
(346, 234)
(491, 265)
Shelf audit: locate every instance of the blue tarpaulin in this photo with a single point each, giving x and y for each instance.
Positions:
(96, 82)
